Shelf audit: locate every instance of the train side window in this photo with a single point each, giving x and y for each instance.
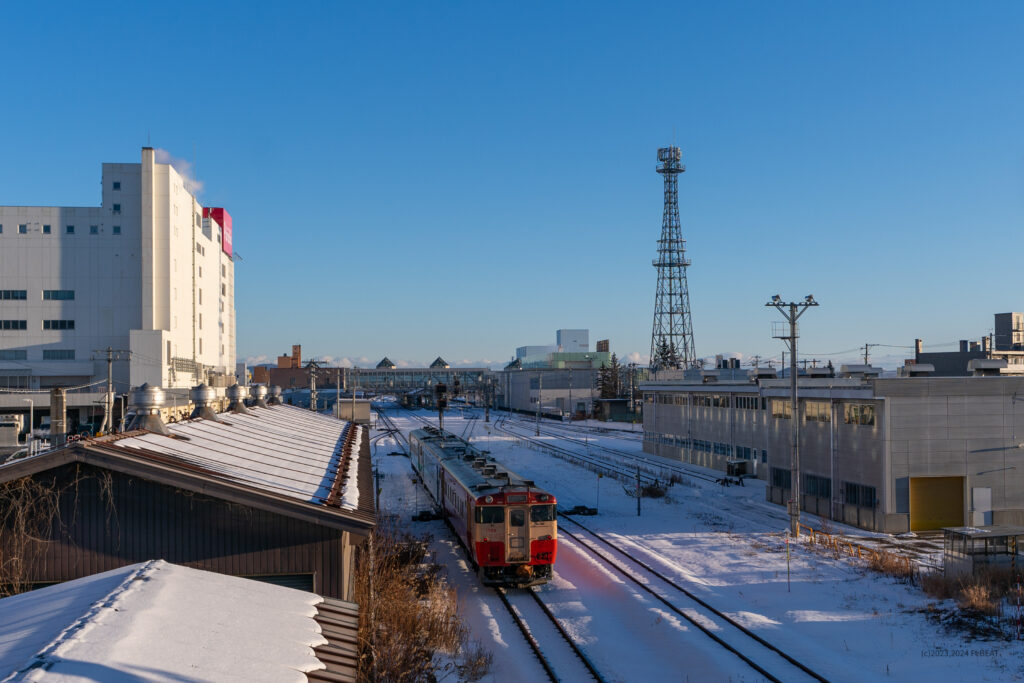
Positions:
(517, 517)
(542, 513)
(490, 515)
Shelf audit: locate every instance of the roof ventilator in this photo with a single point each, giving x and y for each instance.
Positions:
(202, 396)
(236, 394)
(274, 398)
(258, 393)
(147, 401)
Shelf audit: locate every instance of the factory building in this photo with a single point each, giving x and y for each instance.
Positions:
(148, 273)
(888, 454)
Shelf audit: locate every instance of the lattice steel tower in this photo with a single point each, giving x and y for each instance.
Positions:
(672, 336)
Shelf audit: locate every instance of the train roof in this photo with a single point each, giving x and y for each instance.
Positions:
(477, 471)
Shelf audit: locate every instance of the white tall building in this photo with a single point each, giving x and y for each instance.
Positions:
(149, 271)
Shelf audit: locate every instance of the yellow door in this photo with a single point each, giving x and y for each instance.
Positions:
(936, 502)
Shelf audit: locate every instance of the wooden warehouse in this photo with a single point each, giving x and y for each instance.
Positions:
(277, 493)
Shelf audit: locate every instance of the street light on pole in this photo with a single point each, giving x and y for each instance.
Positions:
(31, 421)
(792, 311)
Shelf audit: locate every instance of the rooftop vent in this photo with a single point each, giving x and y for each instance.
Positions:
(258, 392)
(859, 371)
(918, 370)
(147, 402)
(986, 367)
(274, 399)
(236, 394)
(202, 396)
(488, 470)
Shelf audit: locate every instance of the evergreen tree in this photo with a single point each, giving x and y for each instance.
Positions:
(614, 377)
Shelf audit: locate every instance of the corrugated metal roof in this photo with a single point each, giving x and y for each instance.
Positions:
(282, 449)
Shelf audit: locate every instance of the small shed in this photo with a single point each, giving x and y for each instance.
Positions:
(966, 549)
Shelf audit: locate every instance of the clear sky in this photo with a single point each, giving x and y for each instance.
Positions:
(461, 178)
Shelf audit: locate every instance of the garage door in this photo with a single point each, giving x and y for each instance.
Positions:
(936, 502)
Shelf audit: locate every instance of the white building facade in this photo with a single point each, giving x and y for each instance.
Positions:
(149, 272)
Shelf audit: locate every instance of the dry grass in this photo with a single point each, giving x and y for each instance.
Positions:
(979, 599)
(409, 628)
(892, 565)
(981, 593)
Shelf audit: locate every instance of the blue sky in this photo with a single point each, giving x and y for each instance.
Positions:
(457, 179)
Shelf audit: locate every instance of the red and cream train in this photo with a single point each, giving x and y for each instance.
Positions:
(508, 525)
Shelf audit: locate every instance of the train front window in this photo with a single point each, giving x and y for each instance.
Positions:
(490, 515)
(542, 513)
(517, 517)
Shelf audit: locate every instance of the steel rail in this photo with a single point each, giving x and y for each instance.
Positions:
(732, 622)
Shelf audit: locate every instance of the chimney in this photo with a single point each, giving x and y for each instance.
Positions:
(918, 345)
(236, 394)
(275, 396)
(147, 401)
(202, 396)
(258, 393)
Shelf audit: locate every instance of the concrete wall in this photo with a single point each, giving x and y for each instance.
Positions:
(133, 266)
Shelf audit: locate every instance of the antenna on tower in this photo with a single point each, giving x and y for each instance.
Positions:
(672, 333)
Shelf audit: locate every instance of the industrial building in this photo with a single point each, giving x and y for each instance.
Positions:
(274, 493)
(1005, 344)
(148, 273)
(889, 454)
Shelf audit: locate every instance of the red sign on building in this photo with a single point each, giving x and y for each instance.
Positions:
(223, 219)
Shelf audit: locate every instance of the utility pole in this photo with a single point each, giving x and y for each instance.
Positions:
(337, 397)
(108, 403)
(791, 312)
(540, 394)
(867, 355)
(571, 410)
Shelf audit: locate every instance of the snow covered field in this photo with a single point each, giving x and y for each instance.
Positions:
(727, 546)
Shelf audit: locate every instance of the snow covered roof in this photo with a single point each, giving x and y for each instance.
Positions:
(280, 451)
(159, 621)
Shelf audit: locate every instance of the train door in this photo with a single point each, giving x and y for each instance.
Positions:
(518, 535)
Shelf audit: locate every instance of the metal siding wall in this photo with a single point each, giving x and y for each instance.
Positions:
(153, 521)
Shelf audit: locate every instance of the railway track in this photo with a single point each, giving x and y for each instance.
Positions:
(538, 625)
(768, 660)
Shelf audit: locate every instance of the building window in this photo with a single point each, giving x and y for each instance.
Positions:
(858, 414)
(58, 354)
(46, 229)
(780, 478)
(747, 402)
(13, 354)
(224, 292)
(94, 229)
(200, 321)
(200, 346)
(58, 294)
(200, 296)
(223, 269)
(117, 185)
(58, 324)
(13, 294)
(117, 208)
(818, 411)
(13, 325)
(69, 229)
(782, 408)
(817, 486)
(23, 229)
(859, 495)
(117, 229)
(1, 228)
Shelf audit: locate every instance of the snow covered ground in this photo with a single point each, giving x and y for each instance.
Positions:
(724, 544)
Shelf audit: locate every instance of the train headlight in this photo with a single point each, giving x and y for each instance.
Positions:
(489, 499)
(542, 497)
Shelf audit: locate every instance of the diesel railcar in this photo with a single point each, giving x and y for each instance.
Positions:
(506, 523)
